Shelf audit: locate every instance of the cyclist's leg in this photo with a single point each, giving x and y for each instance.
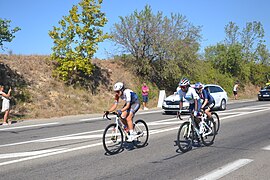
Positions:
(191, 110)
(207, 110)
(131, 113)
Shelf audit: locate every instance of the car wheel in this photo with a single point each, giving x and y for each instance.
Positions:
(223, 105)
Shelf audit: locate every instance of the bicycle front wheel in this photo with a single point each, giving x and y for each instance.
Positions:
(141, 129)
(112, 139)
(209, 133)
(216, 120)
(185, 137)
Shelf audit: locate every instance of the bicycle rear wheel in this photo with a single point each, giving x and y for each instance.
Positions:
(216, 120)
(209, 134)
(112, 139)
(141, 129)
(185, 137)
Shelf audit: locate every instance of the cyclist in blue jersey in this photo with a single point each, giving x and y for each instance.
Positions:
(208, 101)
(132, 105)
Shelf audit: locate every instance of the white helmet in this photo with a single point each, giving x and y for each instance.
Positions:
(118, 86)
(184, 82)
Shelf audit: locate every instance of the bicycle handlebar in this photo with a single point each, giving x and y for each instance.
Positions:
(106, 115)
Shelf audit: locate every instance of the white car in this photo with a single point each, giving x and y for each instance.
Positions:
(171, 103)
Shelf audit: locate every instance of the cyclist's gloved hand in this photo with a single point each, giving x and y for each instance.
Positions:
(195, 113)
(119, 112)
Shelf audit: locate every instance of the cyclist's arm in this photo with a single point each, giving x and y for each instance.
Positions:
(126, 107)
(181, 100)
(114, 106)
(196, 104)
(196, 98)
(180, 105)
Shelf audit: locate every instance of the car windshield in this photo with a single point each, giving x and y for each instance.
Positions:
(267, 87)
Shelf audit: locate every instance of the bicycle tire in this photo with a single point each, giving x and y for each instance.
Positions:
(209, 139)
(141, 128)
(184, 142)
(216, 120)
(112, 142)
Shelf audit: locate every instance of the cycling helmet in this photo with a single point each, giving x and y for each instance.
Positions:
(119, 86)
(198, 85)
(184, 82)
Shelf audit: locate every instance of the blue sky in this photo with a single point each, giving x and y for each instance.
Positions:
(36, 18)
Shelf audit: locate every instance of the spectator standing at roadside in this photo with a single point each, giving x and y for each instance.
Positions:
(235, 90)
(145, 91)
(5, 104)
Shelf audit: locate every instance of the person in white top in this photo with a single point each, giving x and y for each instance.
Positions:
(132, 105)
(5, 104)
(190, 95)
(235, 89)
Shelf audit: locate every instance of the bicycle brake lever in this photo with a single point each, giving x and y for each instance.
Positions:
(106, 115)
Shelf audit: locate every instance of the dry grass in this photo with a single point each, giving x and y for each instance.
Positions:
(49, 97)
(248, 92)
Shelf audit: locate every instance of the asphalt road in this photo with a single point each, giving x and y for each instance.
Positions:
(71, 148)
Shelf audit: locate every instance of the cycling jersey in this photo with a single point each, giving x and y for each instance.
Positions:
(190, 95)
(206, 95)
(129, 96)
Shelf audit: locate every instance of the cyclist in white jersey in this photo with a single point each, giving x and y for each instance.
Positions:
(190, 95)
(132, 105)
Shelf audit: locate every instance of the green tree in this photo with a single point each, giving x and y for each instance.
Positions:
(161, 46)
(228, 59)
(232, 34)
(251, 38)
(263, 55)
(6, 34)
(75, 42)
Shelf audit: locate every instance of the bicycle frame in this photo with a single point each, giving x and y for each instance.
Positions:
(191, 120)
(115, 134)
(118, 123)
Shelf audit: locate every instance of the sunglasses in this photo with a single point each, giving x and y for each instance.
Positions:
(183, 87)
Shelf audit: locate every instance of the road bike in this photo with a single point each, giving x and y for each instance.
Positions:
(189, 132)
(115, 134)
(214, 116)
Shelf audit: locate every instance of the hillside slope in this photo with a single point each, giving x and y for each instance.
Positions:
(36, 94)
(44, 96)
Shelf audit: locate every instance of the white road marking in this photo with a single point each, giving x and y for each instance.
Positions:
(47, 139)
(91, 119)
(162, 123)
(84, 135)
(36, 125)
(224, 170)
(100, 118)
(24, 154)
(266, 148)
(72, 138)
(162, 130)
(245, 113)
(49, 154)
